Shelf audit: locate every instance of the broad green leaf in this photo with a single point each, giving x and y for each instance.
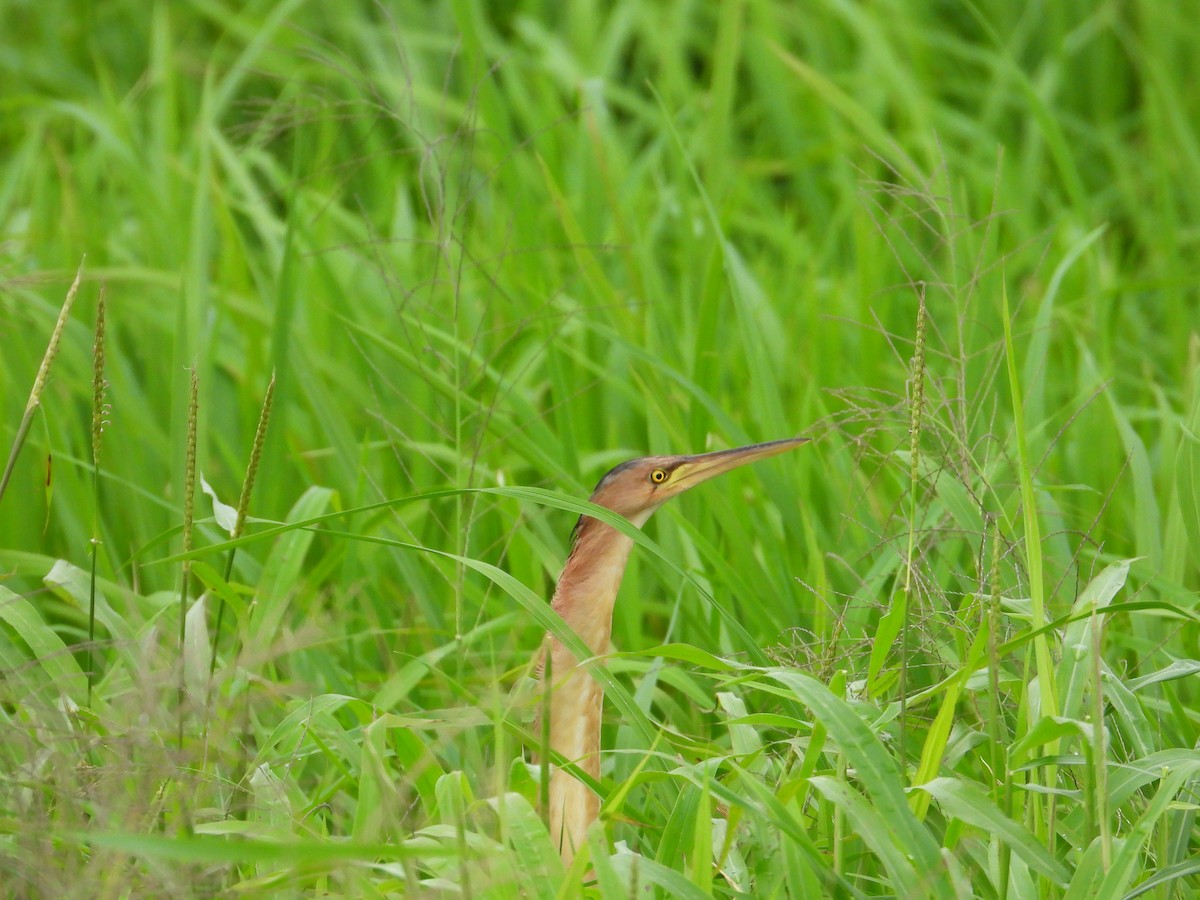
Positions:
(873, 766)
(890, 625)
(281, 571)
(55, 661)
(744, 738)
(1077, 644)
(525, 832)
(686, 653)
(224, 514)
(197, 651)
(1048, 730)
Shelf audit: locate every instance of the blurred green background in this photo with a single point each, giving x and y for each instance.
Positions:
(516, 244)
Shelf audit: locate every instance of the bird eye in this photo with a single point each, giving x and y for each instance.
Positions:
(658, 476)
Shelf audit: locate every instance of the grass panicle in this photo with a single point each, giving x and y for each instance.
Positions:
(916, 410)
(185, 565)
(243, 508)
(100, 412)
(40, 380)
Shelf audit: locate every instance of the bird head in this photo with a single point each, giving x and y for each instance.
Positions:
(636, 488)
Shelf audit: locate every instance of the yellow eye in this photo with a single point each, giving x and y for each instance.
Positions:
(658, 476)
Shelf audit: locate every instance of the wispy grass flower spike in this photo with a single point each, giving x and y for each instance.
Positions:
(189, 495)
(99, 420)
(260, 437)
(39, 383)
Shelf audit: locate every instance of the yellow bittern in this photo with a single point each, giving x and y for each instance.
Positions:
(584, 598)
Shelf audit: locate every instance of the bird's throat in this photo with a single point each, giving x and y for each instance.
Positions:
(587, 588)
(586, 593)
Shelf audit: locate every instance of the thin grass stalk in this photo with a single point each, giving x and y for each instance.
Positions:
(260, 436)
(189, 493)
(996, 728)
(39, 382)
(1043, 663)
(916, 407)
(544, 735)
(1099, 744)
(839, 820)
(99, 410)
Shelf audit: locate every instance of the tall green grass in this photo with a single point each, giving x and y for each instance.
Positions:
(486, 253)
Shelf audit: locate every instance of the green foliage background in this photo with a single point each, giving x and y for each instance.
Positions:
(514, 244)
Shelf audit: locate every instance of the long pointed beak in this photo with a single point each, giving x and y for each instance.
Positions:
(695, 469)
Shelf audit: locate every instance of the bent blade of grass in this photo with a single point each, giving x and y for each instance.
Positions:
(1180, 668)
(1046, 731)
(1188, 868)
(1131, 858)
(69, 581)
(527, 834)
(693, 656)
(1128, 714)
(1129, 778)
(1075, 666)
(638, 870)
(891, 623)
(874, 831)
(52, 656)
(746, 741)
(963, 800)
(409, 675)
